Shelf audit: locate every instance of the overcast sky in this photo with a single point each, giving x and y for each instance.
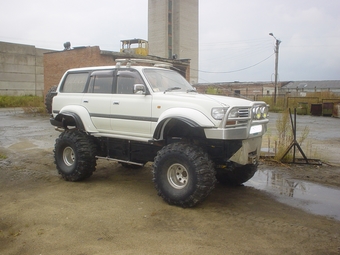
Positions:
(234, 41)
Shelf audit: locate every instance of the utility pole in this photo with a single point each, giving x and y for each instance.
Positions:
(276, 50)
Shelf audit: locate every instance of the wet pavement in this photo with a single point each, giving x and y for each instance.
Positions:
(322, 141)
(16, 126)
(311, 197)
(37, 132)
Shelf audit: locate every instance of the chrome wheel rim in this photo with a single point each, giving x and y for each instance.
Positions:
(69, 156)
(178, 176)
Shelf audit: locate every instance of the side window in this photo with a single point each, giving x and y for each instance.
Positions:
(126, 79)
(75, 83)
(101, 82)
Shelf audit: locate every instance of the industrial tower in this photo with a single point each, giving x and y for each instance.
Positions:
(173, 31)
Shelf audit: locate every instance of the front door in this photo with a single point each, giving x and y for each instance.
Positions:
(130, 112)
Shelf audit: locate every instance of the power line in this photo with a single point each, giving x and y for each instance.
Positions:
(234, 71)
(238, 55)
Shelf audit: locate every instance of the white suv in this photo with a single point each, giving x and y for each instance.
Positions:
(138, 114)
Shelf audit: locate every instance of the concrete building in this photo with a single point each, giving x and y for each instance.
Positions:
(21, 69)
(173, 31)
(300, 88)
(239, 89)
(254, 89)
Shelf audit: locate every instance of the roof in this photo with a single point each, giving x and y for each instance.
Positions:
(330, 84)
(136, 40)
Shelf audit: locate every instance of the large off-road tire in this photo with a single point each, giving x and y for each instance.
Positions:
(236, 175)
(75, 155)
(183, 174)
(49, 97)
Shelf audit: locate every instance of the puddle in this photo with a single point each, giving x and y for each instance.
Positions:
(311, 197)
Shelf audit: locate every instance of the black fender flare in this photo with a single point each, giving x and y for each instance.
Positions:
(161, 125)
(61, 120)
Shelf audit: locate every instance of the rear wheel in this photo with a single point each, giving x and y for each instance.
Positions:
(235, 175)
(75, 155)
(183, 174)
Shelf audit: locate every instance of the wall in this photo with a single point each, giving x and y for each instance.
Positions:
(178, 34)
(242, 88)
(185, 34)
(158, 28)
(21, 70)
(57, 63)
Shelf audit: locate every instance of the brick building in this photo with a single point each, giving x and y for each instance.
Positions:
(58, 62)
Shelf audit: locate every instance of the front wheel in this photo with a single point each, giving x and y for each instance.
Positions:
(183, 174)
(236, 175)
(75, 155)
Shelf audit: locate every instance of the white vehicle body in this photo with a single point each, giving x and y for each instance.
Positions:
(137, 114)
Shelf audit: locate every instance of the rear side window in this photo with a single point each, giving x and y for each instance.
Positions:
(75, 83)
(101, 82)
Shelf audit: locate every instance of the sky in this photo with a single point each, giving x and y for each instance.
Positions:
(234, 40)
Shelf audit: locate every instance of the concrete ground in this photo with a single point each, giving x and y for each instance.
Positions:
(117, 210)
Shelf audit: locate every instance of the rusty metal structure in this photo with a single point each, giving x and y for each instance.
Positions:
(294, 144)
(135, 46)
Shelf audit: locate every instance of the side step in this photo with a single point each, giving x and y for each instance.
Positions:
(120, 161)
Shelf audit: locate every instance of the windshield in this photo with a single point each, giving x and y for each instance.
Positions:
(166, 80)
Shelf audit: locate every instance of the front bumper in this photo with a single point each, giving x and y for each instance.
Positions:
(249, 153)
(256, 129)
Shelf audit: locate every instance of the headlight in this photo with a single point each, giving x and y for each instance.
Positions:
(233, 113)
(218, 113)
(257, 113)
(260, 112)
(264, 111)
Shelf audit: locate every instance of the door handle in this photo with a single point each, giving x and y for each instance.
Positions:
(85, 101)
(116, 102)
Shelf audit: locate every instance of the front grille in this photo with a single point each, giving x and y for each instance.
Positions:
(243, 113)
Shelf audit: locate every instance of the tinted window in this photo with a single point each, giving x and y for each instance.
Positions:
(75, 83)
(126, 79)
(101, 82)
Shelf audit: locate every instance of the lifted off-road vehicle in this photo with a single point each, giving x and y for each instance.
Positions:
(139, 114)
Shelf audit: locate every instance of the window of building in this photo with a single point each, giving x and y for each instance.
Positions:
(170, 5)
(170, 29)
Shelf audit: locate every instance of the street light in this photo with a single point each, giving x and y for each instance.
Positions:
(276, 50)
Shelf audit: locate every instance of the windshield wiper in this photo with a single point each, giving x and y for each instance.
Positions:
(172, 88)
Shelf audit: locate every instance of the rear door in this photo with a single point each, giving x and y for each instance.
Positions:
(98, 98)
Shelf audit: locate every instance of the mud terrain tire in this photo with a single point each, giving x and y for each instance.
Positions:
(74, 155)
(235, 176)
(48, 98)
(183, 174)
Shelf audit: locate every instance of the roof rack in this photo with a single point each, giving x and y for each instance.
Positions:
(132, 61)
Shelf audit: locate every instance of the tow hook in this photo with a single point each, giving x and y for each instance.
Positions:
(252, 158)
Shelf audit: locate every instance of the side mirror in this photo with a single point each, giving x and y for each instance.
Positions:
(139, 89)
